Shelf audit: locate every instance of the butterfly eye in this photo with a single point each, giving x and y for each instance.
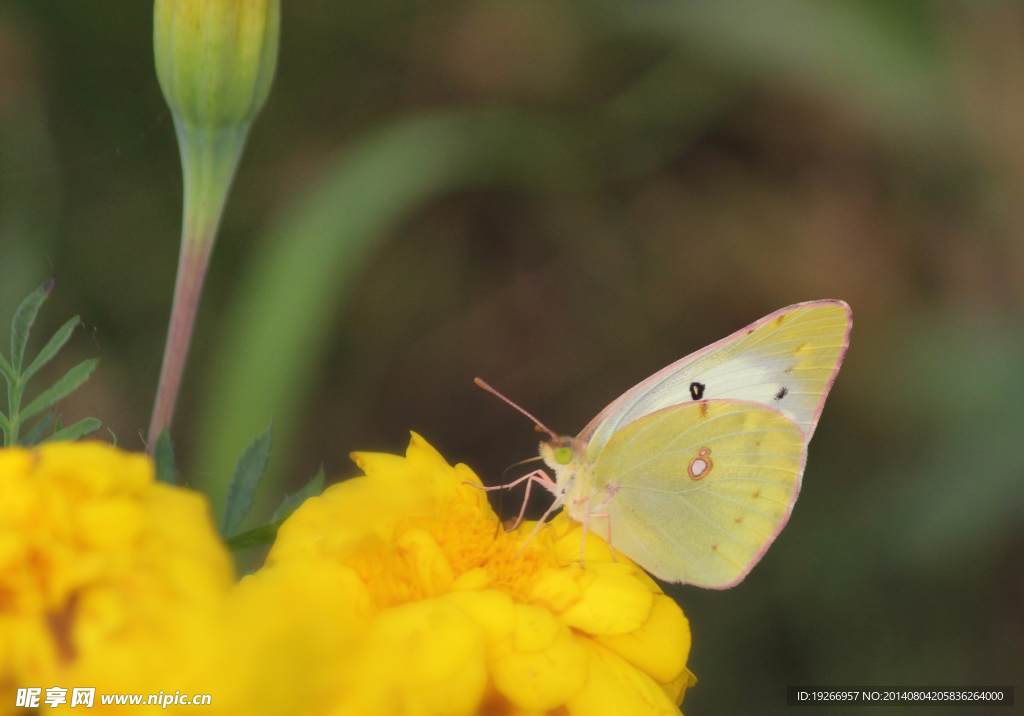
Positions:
(563, 455)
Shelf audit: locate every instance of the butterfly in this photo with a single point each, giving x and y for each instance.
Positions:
(695, 470)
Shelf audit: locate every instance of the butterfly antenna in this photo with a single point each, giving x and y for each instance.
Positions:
(539, 424)
(517, 464)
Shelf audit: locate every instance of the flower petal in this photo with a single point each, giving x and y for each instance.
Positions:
(659, 647)
(615, 688)
(614, 600)
(541, 678)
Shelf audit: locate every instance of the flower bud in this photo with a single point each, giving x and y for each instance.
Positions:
(216, 58)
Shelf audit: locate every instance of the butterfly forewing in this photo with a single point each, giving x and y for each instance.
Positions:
(697, 492)
(786, 361)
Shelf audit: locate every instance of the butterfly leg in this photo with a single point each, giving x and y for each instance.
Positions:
(554, 506)
(586, 517)
(535, 475)
(538, 476)
(609, 538)
(546, 482)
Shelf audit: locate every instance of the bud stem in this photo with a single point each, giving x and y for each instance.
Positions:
(209, 158)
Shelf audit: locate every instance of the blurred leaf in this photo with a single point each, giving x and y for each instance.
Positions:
(86, 426)
(965, 490)
(51, 348)
(257, 536)
(863, 60)
(279, 327)
(291, 503)
(7, 371)
(244, 481)
(163, 458)
(62, 388)
(5, 425)
(35, 435)
(24, 317)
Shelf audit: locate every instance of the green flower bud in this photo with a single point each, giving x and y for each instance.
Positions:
(216, 58)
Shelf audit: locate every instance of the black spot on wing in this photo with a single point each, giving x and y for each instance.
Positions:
(696, 390)
(782, 393)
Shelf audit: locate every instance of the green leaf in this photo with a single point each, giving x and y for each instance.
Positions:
(291, 503)
(24, 317)
(857, 59)
(62, 388)
(264, 534)
(5, 425)
(244, 481)
(163, 457)
(35, 435)
(7, 371)
(86, 426)
(51, 348)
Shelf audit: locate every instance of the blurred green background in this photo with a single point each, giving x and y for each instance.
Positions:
(563, 197)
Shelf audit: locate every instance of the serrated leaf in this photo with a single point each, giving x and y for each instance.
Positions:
(163, 457)
(51, 348)
(61, 389)
(264, 534)
(244, 481)
(291, 503)
(24, 317)
(35, 435)
(83, 427)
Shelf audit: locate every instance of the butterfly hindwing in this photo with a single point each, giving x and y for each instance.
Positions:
(696, 492)
(786, 361)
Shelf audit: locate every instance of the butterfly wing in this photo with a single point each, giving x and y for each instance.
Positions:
(698, 491)
(787, 361)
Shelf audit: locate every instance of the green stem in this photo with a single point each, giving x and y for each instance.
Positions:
(13, 410)
(209, 158)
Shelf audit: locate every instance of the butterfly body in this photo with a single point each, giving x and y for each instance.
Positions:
(694, 472)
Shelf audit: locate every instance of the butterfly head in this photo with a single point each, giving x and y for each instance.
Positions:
(563, 454)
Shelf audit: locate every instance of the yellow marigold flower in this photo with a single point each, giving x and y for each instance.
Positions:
(108, 579)
(433, 612)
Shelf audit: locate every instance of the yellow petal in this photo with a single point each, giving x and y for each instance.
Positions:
(536, 628)
(424, 659)
(616, 687)
(676, 688)
(614, 600)
(109, 522)
(557, 589)
(660, 647)
(545, 678)
(475, 579)
(428, 562)
(492, 610)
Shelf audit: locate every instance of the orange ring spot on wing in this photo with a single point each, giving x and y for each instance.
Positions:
(701, 465)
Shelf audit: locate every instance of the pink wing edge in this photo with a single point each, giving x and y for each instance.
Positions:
(591, 427)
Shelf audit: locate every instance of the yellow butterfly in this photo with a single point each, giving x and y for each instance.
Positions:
(695, 470)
